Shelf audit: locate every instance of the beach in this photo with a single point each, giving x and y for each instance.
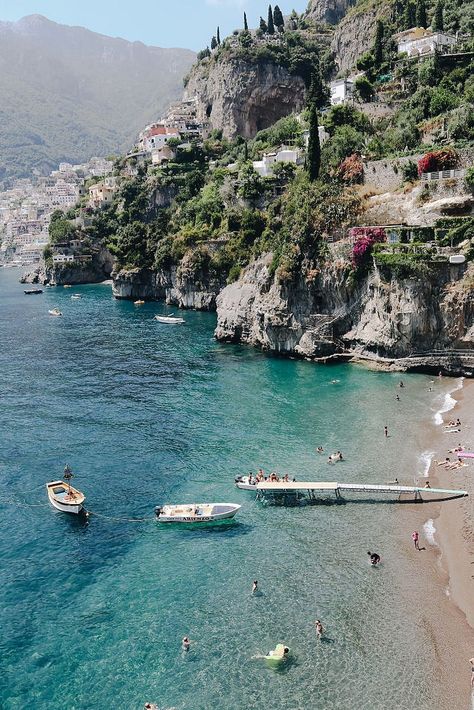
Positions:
(450, 531)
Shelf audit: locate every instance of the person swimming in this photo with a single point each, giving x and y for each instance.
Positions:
(374, 558)
(186, 643)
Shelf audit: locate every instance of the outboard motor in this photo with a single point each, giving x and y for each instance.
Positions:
(238, 479)
(158, 510)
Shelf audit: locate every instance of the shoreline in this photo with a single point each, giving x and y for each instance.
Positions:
(449, 530)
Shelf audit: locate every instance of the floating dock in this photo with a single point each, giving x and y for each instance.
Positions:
(314, 489)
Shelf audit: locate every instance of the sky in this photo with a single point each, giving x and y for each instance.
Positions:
(163, 23)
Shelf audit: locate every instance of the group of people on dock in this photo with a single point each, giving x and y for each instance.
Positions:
(271, 478)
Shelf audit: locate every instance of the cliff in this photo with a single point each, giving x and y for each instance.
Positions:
(174, 285)
(95, 271)
(242, 97)
(379, 316)
(330, 11)
(355, 33)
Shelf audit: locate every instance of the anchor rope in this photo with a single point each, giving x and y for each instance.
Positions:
(119, 520)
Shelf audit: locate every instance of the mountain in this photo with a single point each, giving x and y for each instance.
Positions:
(69, 93)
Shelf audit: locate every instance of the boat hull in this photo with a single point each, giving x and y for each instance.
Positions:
(169, 320)
(64, 499)
(205, 514)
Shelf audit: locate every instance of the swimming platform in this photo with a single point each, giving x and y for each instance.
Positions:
(312, 488)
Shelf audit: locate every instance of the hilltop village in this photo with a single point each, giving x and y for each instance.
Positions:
(314, 186)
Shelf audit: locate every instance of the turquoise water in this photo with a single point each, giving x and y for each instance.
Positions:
(92, 615)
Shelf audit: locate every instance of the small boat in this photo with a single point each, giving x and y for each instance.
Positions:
(63, 496)
(139, 303)
(169, 319)
(76, 296)
(67, 286)
(55, 312)
(31, 291)
(196, 513)
(244, 483)
(278, 655)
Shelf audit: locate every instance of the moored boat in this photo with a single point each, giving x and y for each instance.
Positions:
(76, 296)
(63, 496)
(55, 312)
(139, 303)
(196, 513)
(169, 319)
(246, 483)
(31, 291)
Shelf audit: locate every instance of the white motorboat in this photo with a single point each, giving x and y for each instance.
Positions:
(63, 496)
(169, 319)
(245, 483)
(196, 513)
(55, 312)
(76, 296)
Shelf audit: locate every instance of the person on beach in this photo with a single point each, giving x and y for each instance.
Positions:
(374, 558)
(254, 586)
(471, 661)
(319, 628)
(385, 431)
(398, 397)
(415, 537)
(427, 484)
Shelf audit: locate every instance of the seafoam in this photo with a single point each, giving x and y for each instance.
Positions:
(448, 402)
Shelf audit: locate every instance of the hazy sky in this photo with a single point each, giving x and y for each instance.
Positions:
(165, 23)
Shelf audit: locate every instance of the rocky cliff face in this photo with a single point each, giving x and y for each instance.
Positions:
(355, 34)
(242, 97)
(175, 286)
(330, 11)
(99, 269)
(381, 315)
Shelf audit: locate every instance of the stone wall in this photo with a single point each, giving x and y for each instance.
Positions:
(385, 175)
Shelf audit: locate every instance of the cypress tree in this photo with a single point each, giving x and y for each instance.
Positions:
(278, 20)
(263, 26)
(378, 44)
(270, 23)
(410, 15)
(314, 146)
(438, 21)
(213, 43)
(218, 36)
(246, 24)
(421, 19)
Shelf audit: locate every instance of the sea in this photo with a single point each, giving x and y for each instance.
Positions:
(93, 611)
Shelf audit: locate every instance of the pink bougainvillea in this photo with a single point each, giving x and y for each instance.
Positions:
(365, 238)
(435, 160)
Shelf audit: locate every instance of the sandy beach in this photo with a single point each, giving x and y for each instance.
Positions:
(448, 532)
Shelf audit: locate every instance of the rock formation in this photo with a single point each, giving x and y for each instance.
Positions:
(330, 11)
(355, 35)
(241, 97)
(95, 271)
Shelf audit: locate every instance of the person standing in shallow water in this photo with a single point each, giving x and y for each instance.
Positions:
(385, 431)
(254, 586)
(319, 628)
(416, 540)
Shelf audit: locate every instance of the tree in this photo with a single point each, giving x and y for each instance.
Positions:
(278, 20)
(319, 91)
(378, 44)
(314, 145)
(438, 21)
(263, 26)
(409, 15)
(218, 36)
(421, 19)
(270, 23)
(213, 43)
(364, 88)
(246, 24)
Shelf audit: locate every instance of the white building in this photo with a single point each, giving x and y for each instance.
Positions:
(341, 91)
(265, 166)
(418, 42)
(63, 258)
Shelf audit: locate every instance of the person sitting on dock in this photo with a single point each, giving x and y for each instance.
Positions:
(285, 478)
(374, 558)
(427, 484)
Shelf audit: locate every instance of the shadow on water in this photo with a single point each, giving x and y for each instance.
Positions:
(231, 529)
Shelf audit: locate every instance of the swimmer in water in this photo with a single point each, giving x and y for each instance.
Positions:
(254, 586)
(374, 558)
(186, 643)
(319, 628)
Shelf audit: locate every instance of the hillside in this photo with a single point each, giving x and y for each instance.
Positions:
(69, 93)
